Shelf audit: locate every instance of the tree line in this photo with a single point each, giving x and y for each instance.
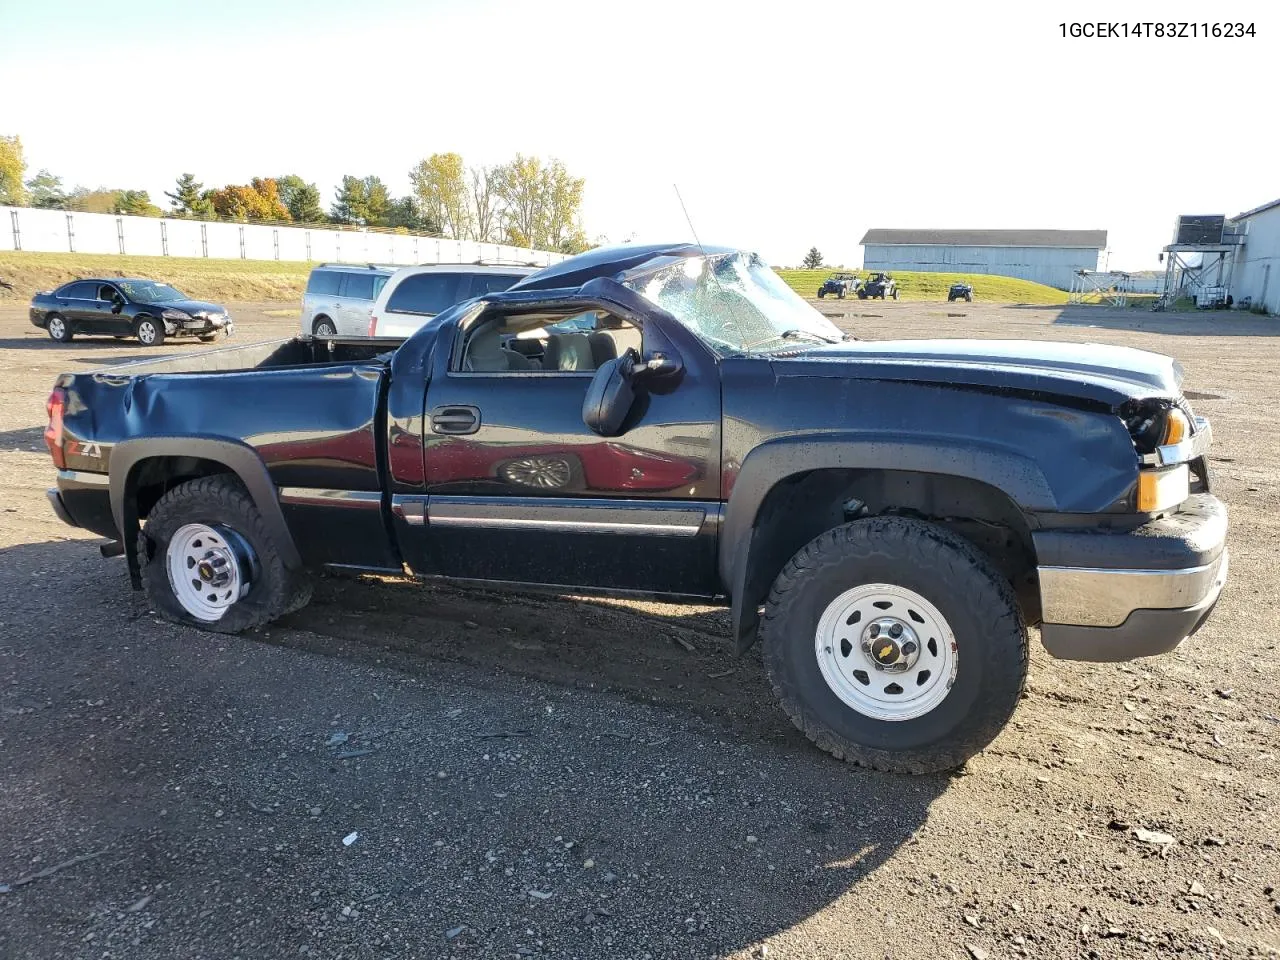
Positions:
(527, 202)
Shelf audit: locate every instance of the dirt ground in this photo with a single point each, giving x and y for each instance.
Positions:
(569, 778)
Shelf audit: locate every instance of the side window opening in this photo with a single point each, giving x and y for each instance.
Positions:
(425, 293)
(546, 343)
(358, 286)
(324, 282)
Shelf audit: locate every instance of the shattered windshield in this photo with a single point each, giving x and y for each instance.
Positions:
(735, 303)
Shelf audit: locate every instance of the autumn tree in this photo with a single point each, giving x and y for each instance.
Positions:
(44, 191)
(13, 167)
(84, 200)
(440, 186)
(812, 259)
(542, 204)
(257, 200)
(486, 204)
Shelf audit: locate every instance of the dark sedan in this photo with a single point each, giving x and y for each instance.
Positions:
(123, 307)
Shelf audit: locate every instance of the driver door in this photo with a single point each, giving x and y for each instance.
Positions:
(97, 317)
(519, 489)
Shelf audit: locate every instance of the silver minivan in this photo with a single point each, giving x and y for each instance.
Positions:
(339, 298)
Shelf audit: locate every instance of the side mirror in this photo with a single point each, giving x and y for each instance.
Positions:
(610, 396)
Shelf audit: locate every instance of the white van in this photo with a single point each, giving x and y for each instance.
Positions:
(414, 295)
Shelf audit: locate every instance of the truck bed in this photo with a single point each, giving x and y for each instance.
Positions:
(263, 355)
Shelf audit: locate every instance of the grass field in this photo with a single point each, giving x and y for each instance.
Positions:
(933, 286)
(257, 280)
(216, 280)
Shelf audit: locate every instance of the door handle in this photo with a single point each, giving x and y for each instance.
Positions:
(455, 419)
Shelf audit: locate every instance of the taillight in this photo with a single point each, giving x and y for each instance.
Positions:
(54, 407)
(373, 325)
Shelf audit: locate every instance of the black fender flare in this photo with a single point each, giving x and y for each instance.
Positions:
(1018, 476)
(239, 458)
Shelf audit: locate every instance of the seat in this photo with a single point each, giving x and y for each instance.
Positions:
(568, 352)
(603, 349)
(486, 354)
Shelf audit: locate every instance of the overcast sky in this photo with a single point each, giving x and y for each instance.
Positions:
(785, 125)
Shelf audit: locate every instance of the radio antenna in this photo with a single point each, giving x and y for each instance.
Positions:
(689, 219)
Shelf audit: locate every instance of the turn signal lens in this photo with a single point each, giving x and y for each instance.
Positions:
(373, 325)
(1176, 427)
(1160, 490)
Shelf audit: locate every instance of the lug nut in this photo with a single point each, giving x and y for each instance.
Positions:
(895, 631)
(909, 648)
(875, 630)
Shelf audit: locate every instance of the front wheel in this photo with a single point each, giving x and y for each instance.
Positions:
(58, 329)
(968, 298)
(209, 561)
(821, 294)
(895, 294)
(149, 331)
(895, 644)
(840, 295)
(862, 294)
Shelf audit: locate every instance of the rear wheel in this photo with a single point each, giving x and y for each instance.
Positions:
(149, 331)
(894, 644)
(207, 337)
(58, 329)
(324, 327)
(840, 294)
(821, 294)
(209, 561)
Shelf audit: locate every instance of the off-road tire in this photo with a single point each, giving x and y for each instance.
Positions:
(948, 571)
(821, 294)
(219, 500)
(840, 295)
(207, 337)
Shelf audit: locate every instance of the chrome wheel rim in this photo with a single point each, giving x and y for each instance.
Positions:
(147, 332)
(209, 570)
(886, 652)
(325, 330)
(545, 473)
(56, 328)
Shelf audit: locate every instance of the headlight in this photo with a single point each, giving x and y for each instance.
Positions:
(175, 315)
(1163, 489)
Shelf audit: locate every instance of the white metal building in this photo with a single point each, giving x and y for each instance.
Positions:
(1257, 267)
(1046, 256)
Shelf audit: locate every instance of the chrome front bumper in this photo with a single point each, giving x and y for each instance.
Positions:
(1134, 594)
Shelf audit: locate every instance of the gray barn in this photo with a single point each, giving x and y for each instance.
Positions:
(1046, 256)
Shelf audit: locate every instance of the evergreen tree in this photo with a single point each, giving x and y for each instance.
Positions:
(812, 259)
(187, 196)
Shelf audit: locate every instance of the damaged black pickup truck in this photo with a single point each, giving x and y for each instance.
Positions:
(888, 518)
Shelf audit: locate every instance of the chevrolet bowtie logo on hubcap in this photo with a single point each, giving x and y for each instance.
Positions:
(886, 651)
(205, 569)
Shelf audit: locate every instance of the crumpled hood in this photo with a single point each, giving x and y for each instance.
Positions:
(1086, 371)
(193, 307)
